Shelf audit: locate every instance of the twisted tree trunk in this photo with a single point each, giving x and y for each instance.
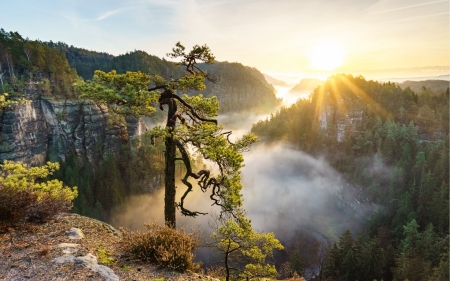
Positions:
(170, 154)
(168, 98)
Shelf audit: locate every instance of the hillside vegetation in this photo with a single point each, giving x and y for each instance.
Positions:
(435, 86)
(393, 143)
(307, 84)
(239, 88)
(22, 59)
(53, 67)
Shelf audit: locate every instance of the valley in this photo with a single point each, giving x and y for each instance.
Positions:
(345, 169)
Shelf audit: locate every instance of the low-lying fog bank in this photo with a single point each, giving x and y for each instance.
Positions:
(284, 190)
(300, 198)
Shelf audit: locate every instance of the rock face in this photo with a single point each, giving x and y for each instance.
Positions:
(342, 121)
(45, 128)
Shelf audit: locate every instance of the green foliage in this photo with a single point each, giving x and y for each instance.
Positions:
(348, 259)
(22, 59)
(26, 195)
(17, 177)
(391, 143)
(105, 185)
(104, 257)
(117, 89)
(84, 61)
(441, 272)
(128, 94)
(141, 61)
(436, 86)
(240, 244)
(411, 268)
(239, 88)
(165, 246)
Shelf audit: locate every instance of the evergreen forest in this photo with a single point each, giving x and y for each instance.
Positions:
(388, 140)
(393, 144)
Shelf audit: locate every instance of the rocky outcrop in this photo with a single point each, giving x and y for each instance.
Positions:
(341, 121)
(89, 261)
(45, 128)
(49, 253)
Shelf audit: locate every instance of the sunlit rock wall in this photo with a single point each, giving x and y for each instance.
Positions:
(339, 120)
(45, 128)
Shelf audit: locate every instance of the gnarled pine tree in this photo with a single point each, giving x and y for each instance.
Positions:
(130, 94)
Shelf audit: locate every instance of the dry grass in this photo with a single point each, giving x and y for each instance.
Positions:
(27, 253)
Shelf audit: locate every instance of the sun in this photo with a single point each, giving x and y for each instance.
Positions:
(326, 57)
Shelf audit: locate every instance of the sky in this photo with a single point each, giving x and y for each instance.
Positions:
(279, 37)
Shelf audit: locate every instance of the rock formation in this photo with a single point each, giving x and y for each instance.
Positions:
(46, 128)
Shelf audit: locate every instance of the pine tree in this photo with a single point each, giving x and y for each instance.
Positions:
(129, 94)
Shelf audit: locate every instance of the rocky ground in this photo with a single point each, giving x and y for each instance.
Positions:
(73, 247)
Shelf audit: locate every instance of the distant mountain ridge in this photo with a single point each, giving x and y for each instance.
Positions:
(239, 87)
(436, 86)
(443, 77)
(86, 62)
(274, 81)
(306, 84)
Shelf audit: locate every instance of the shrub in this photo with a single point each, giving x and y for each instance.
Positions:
(218, 272)
(285, 271)
(165, 246)
(26, 196)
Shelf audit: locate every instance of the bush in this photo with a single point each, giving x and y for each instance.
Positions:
(26, 196)
(165, 246)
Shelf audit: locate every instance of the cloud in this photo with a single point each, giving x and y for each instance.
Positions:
(107, 15)
(409, 7)
(111, 13)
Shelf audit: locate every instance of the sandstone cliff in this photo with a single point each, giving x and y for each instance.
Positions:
(46, 128)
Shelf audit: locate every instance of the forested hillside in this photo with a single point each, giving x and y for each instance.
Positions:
(22, 59)
(92, 144)
(435, 86)
(389, 140)
(240, 88)
(393, 143)
(306, 84)
(84, 61)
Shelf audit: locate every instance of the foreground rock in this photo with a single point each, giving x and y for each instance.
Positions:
(47, 252)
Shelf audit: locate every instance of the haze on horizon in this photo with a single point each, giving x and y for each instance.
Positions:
(286, 37)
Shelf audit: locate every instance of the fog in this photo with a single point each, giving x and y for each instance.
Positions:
(290, 97)
(284, 190)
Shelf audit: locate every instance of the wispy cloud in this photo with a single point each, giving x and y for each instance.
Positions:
(110, 13)
(409, 7)
(424, 16)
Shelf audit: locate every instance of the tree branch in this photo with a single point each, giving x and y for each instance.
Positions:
(157, 88)
(193, 110)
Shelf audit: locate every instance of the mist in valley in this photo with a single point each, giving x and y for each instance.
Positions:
(289, 97)
(285, 191)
